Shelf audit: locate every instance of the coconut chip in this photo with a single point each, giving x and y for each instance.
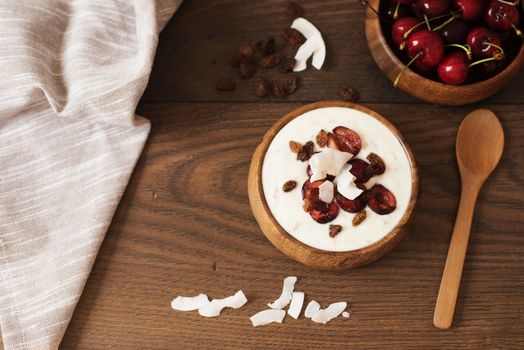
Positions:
(345, 182)
(296, 304)
(325, 315)
(287, 291)
(312, 308)
(314, 45)
(182, 303)
(345, 314)
(328, 161)
(267, 316)
(326, 191)
(214, 308)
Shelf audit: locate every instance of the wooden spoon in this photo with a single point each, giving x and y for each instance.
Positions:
(480, 141)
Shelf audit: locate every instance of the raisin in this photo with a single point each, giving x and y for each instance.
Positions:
(348, 93)
(376, 164)
(289, 186)
(293, 37)
(270, 61)
(359, 217)
(225, 85)
(262, 87)
(245, 50)
(247, 67)
(294, 10)
(267, 46)
(322, 138)
(291, 85)
(236, 59)
(287, 64)
(334, 230)
(295, 146)
(278, 89)
(306, 151)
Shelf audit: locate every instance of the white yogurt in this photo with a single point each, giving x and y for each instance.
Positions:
(281, 165)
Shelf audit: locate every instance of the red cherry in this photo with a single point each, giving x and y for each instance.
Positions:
(455, 32)
(471, 10)
(490, 68)
(359, 169)
(433, 8)
(484, 43)
(381, 200)
(401, 26)
(309, 173)
(310, 190)
(429, 46)
(345, 140)
(454, 68)
(502, 17)
(325, 214)
(351, 205)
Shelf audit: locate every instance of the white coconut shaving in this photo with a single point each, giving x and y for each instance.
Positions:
(328, 162)
(296, 305)
(182, 303)
(314, 45)
(214, 308)
(326, 191)
(345, 182)
(267, 316)
(287, 293)
(332, 311)
(312, 308)
(345, 314)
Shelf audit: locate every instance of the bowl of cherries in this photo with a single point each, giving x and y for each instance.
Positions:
(450, 52)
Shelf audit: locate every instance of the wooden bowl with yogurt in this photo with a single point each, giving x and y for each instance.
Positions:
(280, 214)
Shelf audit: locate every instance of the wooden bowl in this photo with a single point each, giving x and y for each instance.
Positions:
(426, 89)
(299, 251)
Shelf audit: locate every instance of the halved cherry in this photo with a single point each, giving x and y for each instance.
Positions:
(347, 140)
(327, 213)
(381, 200)
(310, 190)
(360, 170)
(310, 173)
(351, 205)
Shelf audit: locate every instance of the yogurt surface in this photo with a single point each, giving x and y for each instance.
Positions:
(281, 165)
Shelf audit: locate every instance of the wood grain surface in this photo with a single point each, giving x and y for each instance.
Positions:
(184, 225)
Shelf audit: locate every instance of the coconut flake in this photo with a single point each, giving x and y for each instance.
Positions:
(182, 303)
(319, 57)
(267, 316)
(345, 314)
(287, 291)
(312, 308)
(304, 53)
(296, 304)
(346, 183)
(326, 192)
(314, 45)
(214, 308)
(305, 27)
(325, 315)
(328, 161)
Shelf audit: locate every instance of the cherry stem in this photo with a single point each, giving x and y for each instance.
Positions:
(427, 22)
(449, 20)
(464, 47)
(395, 83)
(517, 31)
(395, 14)
(406, 34)
(482, 61)
(499, 55)
(511, 3)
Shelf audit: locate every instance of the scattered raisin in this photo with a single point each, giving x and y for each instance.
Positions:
(294, 10)
(291, 85)
(293, 37)
(247, 67)
(270, 61)
(245, 50)
(262, 87)
(348, 93)
(308, 205)
(306, 151)
(289, 186)
(267, 46)
(322, 138)
(225, 85)
(278, 89)
(295, 146)
(376, 164)
(287, 64)
(359, 217)
(334, 230)
(236, 59)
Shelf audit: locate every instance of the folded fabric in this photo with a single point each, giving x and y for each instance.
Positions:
(71, 75)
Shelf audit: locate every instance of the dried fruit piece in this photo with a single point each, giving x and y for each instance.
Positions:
(236, 59)
(381, 200)
(334, 230)
(295, 146)
(360, 170)
(306, 151)
(291, 85)
(289, 185)
(262, 87)
(294, 10)
(270, 61)
(376, 164)
(347, 140)
(247, 67)
(350, 205)
(278, 89)
(267, 46)
(293, 37)
(327, 215)
(359, 217)
(245, 50)
(348, 93)
(287, 64)
(322, 138)
(225, 85)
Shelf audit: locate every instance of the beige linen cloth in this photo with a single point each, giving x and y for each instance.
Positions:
(71, 75)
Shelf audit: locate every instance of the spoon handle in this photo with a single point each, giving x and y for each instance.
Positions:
(447, 295)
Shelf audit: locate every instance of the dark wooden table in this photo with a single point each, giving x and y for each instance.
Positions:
(184, 225)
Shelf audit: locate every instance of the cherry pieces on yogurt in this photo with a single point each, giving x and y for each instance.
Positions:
(345, 140)
(381, 200)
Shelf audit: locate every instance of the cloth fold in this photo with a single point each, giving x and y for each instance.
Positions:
(71, 75)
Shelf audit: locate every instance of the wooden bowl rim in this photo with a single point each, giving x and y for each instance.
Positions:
(375, 246)
(371, 17)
